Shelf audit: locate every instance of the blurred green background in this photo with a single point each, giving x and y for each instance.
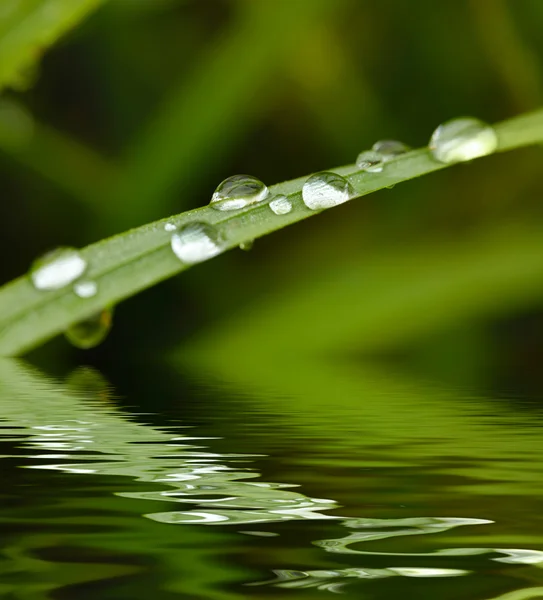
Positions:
(141, 110)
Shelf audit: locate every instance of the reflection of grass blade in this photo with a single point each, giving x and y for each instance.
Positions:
(394, 296)
(126, 264)
(55, 419)
(30, 27)
(367, 408)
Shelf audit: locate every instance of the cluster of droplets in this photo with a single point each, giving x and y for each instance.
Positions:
(458, 140)
(61, 268)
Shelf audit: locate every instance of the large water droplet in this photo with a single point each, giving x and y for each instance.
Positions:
(462, 139)
(370, 161)
(238, 192)
(196, 242)
(92, 331)
(390, 149)
(57, 269)
(326, 189)
(281, 205)
(86, 289)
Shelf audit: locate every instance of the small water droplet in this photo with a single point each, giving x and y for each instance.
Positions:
(86, 289)
(169, 226)
(390, 149)
(370, 161)
(326, 189)
(196, 242)
(92, 331)
(462, 139)
(281, 205)
(248, 245)
(57, 269)
(238, 192)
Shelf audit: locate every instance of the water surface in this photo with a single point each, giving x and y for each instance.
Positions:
(357, 481)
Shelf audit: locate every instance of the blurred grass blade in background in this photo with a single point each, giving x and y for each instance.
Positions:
(28, 27)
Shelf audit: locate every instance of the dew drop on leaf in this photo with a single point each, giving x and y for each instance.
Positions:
(462, 139)
(281, 205)
(390, 149)
(86, 289)
(196, 242)
(370, 161)
(238, 192)
(92, 331)
(57, 269)
(325, 190)
(248, 245)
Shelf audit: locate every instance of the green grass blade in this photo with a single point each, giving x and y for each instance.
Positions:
(70, 165)
(128, 263)
(28, 27)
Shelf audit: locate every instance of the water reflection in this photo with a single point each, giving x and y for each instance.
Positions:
(76, 430)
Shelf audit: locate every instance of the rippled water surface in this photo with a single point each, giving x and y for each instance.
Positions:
(355, 482)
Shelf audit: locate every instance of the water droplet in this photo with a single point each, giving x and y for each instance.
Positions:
(86, 289)
(92, 331)
(169, 226)
(281, 205)
(248, 245)
(196, 242)
(238, 192)
(57, 269)
(462, 139)
(390, 149)
(370, 161)
(326, 189)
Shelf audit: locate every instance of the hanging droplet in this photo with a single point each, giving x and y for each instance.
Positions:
(248, 245)
(370, 161)
(92, 331)
(462, 139)
(169, 226)
(281, 205)
(196, 242)
(326, 189)
(86, 289)
(57, 269)
(238, 192)
(390, 149)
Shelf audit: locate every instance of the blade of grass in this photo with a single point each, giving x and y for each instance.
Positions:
(128, 263)
(27, 28)
(70, 165)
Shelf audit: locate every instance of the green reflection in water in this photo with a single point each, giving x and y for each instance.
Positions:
(74, 430)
